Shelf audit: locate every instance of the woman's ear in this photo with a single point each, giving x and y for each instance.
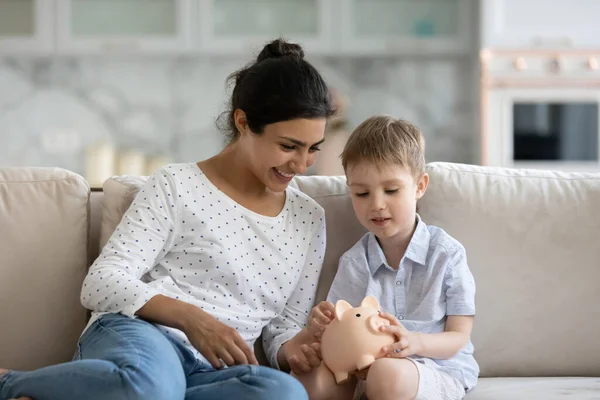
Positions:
(422, 184)
(241, 122)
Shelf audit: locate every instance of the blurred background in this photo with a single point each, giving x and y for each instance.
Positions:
(106, 87)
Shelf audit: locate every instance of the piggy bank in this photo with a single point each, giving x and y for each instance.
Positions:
(352, 340)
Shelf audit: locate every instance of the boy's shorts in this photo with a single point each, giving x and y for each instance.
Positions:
(433, 385)
(437, 385)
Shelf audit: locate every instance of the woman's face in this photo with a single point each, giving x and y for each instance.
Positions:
(282, 150)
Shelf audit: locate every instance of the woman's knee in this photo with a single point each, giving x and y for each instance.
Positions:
(393, 379)
(140, 385)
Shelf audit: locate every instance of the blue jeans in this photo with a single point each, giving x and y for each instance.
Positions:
(123, 358)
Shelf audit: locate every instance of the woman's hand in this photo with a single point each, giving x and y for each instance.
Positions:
(210, 337)
(320, 316)
(215, 340)
(407, 343)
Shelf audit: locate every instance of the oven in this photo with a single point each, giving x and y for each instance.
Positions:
(541, 109)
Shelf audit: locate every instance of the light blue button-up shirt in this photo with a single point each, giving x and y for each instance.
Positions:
(432, 281)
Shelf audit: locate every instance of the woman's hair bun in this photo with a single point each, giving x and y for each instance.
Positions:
(280, 48)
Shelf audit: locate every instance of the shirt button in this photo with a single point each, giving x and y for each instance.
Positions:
(398, 283)
(400, 317)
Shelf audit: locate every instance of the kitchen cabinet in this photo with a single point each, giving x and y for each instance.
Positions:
(531, 24)
(26, 26)
(398, 26)
(237, 27)
(243, 26)
(123, 26)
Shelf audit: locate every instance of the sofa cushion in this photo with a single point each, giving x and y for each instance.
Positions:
(119, 192)
(536, 389)
(532, 240)
(44, 246)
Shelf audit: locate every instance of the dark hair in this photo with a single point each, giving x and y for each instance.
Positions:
(279, 86)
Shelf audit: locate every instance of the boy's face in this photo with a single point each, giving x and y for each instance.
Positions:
(385, 197)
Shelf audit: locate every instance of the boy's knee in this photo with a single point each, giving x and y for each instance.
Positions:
(392, 379)
(321, 385)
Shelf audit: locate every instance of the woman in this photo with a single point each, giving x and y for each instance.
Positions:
(208, 256)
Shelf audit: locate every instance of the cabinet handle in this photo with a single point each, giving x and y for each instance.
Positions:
(120, 45)
(552, 42)
(520, 64)
(556, 65)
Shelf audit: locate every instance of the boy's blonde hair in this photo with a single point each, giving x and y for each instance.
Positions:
(386, 140)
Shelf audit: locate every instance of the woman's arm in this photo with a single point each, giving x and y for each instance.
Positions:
(170, 312)
(295, 313)
(142, 238)
(215, 340)
(144, 235)
(349, 284)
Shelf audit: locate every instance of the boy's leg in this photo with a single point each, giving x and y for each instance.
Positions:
(243, 382)
(321, 385)
(399, 379)
(119, 358)
(392, 379)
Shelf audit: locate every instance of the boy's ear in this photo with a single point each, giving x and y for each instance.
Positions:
(422, 184)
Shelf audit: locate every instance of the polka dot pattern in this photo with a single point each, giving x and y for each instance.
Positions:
(184, 238)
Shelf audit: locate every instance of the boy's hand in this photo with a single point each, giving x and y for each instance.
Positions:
(303, 358)
(407, 343)
(320, 316)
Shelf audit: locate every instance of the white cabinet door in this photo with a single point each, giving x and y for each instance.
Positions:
(244, 26)
(26, 26)
(124, 26)
(540, 23)
(397, 26)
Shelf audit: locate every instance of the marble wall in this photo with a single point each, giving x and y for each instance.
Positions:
(53, 109)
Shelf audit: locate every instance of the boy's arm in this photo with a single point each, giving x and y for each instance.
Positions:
(446, 344)
(459, 287)
(350, 282)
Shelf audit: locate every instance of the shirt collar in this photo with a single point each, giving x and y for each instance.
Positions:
(416, 251)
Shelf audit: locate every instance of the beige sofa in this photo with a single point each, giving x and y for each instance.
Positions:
(533, 241)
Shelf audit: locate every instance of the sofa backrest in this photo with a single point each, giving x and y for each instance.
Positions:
(532, 240)
(44, 225)
(532, 243)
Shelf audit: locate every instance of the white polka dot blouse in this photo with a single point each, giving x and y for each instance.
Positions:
(184, 238)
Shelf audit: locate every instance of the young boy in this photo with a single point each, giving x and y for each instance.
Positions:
(418, 273)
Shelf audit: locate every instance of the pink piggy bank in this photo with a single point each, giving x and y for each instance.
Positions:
(352, 340)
